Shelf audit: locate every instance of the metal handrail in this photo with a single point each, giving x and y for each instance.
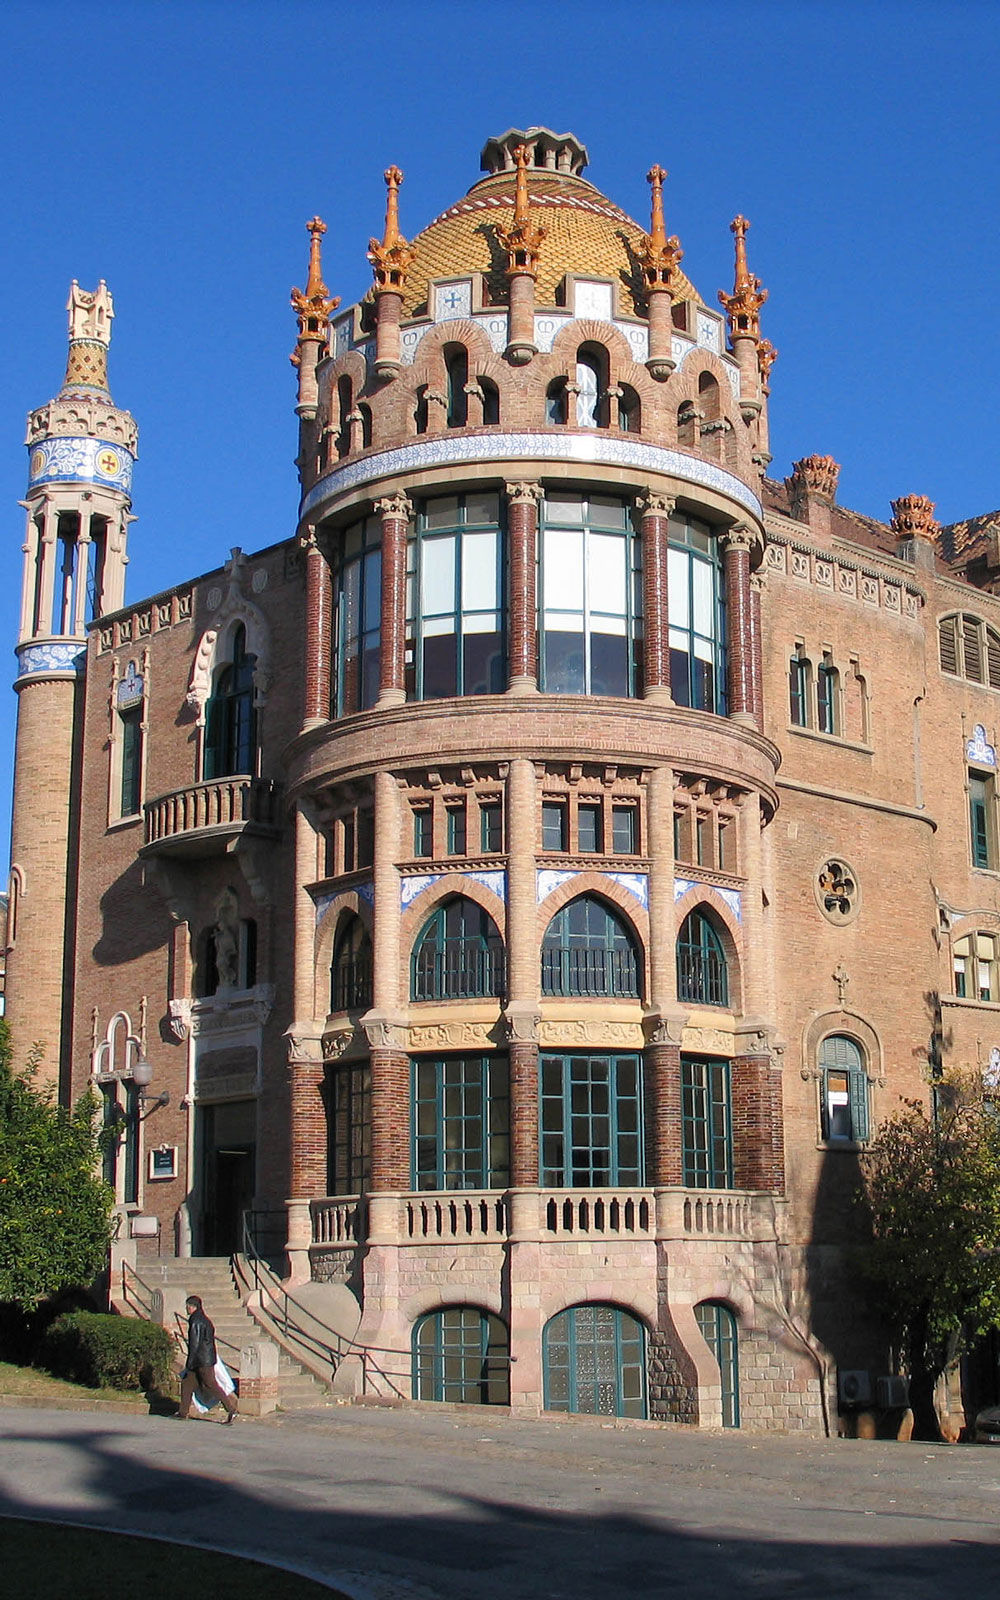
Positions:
(134, 1300)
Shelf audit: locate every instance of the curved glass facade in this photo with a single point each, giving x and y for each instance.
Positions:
(454, 599)
(697, 616)
(588, 596)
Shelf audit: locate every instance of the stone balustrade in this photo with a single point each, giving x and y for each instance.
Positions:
(195, 819)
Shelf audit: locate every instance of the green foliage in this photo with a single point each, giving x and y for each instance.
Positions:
(931, 1186)
(101, 1350)
(54, 1208)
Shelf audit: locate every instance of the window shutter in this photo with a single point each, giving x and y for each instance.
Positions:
(948, 644)
(993, 658)
(859, 1105)
(972, 646)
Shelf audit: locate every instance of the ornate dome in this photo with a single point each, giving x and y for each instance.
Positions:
(586, 233)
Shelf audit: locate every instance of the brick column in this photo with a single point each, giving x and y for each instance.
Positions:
(395, 511)
(738, 623)
(758, 1136)
(308, 1117)
(390, 1110)
(655, 509)
(522, 621)
(390, 1064)
(757, 646)
(662, 1106)
(318, 639)
(522, 1015)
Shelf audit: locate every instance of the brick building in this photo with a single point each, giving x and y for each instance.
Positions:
(531, 881)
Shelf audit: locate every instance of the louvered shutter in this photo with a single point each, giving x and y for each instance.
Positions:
(948, 644)
(993, 658)
(972, 648)
(858, 1088)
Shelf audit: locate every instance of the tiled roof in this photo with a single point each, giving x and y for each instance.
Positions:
(963, 542)
(585, 234)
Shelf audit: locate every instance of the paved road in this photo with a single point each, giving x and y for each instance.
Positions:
(457, 1505)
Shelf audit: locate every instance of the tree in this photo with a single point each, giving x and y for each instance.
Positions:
(54, 1208)
(931, 1186)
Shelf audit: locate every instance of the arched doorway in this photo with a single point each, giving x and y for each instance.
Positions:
(594, 1361)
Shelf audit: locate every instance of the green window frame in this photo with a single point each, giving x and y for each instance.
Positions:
(357, 617)
(981, 822)
(590, 1121)
(720, 1331)
(461, 1122)
(799, 672)
(594, 1362)
(845, 1091)
(588, 951)
(131, 779)
(230, 719)
(589, 586)
(697, 616)
(349, 1128)
(490, 826)
(461, 1355)
(702, 969)
(456, 828)
(458, 954)
(827, 686)
(624, 830)
(455, 638)
(706, 1123)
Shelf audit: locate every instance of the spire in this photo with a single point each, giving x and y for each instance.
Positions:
(521, 241)
(391, 259)
(659, 255)
(313, 305)
(90, 318)
(743, 305)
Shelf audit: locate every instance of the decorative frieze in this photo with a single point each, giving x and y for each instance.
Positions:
(840, 575)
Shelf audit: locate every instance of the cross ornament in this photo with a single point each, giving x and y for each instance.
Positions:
(841, 979)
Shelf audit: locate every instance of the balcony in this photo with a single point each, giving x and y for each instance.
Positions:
(209, 818)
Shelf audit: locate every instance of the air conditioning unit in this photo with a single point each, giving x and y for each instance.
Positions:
(854, 1389)
(893, 1393)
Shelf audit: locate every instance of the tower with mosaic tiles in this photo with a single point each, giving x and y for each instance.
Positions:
(81, 452)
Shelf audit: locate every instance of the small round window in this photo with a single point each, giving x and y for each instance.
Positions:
(838, 894)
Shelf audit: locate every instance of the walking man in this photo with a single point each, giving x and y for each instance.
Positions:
(199, 1368)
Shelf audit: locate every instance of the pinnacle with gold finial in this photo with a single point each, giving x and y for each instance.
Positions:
(313, 304)
(742, 307)
(658, 254)
(392, 256)
(522, 241)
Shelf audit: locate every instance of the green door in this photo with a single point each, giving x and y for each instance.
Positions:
(594, 1360)
(719, 1331)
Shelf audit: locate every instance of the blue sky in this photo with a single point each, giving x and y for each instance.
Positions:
(176, 149)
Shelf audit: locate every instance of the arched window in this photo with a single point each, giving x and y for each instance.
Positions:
(357, 630)
(594, 1362)
(827, 697)
(351, 968)
(720, 1332)
(456, 365)
(556, 398)
(420, 413)
(588, 950)
(697, 616)
(799, 686)
(461, 1355)
(687, 424)
(129, 699)
(491, 402)
(591, 383)
(458, 954)
(967, 648)
(702, 975)
(454, 611)
(229, 714)
(975, 967)
(366, 425)
(589, 602)
(345, 400)
(709, 400)
(629, 410)
(844, 1091)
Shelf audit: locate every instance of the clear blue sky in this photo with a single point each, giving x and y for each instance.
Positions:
(176, 149)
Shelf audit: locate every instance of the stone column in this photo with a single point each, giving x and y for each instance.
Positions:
(318, 634)
(738, 541)
(655, 509)
(665, 1019)
(32, 556)
(522, 620)
(395, 511)
(78, 622)
(47, 557)
(388, 311)
(522, 1015)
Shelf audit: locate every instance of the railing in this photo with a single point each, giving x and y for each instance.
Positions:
(352, 983)
(599, 1212)
(590, 972)
(702, 978)
(458, 973)
(137, 1295)
(233, 802)
(338, 1223)
(728, 1216)
(463, 1215)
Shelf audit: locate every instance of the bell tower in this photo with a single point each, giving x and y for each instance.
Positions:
(81, 451)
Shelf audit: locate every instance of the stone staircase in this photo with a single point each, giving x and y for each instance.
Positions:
(211, 1278)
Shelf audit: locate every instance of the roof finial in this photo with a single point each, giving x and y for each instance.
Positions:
(391, 258)
(313, 305)
(521, 240)
(743, 305)
(659, 255)
(90, 318)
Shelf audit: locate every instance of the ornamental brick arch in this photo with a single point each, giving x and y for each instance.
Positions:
(326, 937)
(428, 363)
(856, 1027)
(709, 903)
(448, 886)
(588, 331)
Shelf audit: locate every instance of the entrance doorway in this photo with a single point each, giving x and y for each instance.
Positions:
(228, 1173)
(719, 1331)
(594, 1361)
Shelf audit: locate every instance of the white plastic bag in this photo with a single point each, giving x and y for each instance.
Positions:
(201, 1401)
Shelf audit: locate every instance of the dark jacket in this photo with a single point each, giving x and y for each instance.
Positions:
(201, 1343)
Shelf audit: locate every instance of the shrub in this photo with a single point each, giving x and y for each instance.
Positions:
(98, 1349)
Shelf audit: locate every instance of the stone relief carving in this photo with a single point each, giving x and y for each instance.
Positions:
(602, 1032)
(336, 1044)
(713, 1041)
(521, 1027)
(446, 1035)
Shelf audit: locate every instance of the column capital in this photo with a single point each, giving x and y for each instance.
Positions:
(741, 536)
(520, 1024)
(385, 1033)
(653, 502)
(523, 493)
(398, 505)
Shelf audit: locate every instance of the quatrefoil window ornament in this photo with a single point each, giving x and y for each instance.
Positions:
(837, 890)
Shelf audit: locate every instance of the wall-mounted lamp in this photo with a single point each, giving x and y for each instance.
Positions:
(142, 1077)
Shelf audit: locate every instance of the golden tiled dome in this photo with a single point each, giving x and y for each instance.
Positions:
(586, 234)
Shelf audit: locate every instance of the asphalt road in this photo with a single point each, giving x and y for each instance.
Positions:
(435, 1504)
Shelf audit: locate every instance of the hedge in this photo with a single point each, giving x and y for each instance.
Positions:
(102, 1350)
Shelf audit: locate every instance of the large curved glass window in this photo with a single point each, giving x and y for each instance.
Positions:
(594, 1361)
(697, 617)
(702, 974)
(229, 714)
(358, 610)
(458, 954)
(461, 1355)
(454, 599)
(587, 950)
(589, 596)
